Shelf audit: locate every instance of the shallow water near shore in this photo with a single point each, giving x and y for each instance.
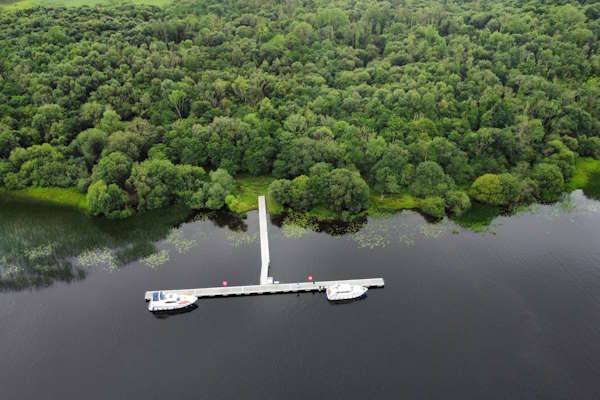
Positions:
(512, 311)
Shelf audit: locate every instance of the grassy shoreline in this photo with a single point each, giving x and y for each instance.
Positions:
(586, 177)
(57, 196)
(250, 187)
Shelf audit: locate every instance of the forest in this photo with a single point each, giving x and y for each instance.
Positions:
(337, 102)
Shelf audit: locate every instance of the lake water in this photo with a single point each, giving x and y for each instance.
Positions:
(509, 313)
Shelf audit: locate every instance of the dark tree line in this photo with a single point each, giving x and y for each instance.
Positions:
(133, 104)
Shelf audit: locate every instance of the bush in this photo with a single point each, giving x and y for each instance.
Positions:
(488, 189)
(232, 202)
(457, 202)
(5, 168)
(589, 146)
(216, 197)
(106, 200)
(300, 195)
(434, 206)
(43, 166)
(113, 168)
(280, 189)
(430, 180)
(197, 200)
(550, 182)
(155, 182)
(347, 191)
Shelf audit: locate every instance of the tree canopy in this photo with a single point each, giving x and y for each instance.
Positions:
(421, 96)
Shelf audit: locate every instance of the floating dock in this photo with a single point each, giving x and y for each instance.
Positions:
(267, 285)
(265, 259)
(274, 288)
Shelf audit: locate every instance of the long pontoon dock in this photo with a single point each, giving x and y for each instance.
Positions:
(267, 285)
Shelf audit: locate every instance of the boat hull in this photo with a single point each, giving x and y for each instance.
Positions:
(337, 294)
(172, 304)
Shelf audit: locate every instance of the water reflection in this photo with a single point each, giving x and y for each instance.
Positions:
(296, 225)
(40, 244)
(170, 313)
(349, 301)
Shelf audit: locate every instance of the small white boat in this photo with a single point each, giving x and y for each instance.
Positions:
(162, 301)
(345, 291)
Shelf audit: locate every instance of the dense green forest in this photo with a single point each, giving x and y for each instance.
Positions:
(448, 101)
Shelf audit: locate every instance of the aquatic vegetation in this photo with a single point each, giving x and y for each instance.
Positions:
(434, 231)
(39, 252)
(156, 259)
(238, 239)
(376, 234)
(296, 225)
(8, 270)
(370, 240)
(176, 239)
(98, 257)
(406, 239)
(44, 243)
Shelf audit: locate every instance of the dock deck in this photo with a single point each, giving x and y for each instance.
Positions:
(265, 260)
(271, 288)
(267, 286)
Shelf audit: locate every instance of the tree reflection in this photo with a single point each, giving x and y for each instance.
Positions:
(40, 243)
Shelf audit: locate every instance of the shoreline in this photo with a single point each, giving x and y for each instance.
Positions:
(64, 197)
(586, 178)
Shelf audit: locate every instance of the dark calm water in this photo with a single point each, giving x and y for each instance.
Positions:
(510, 313)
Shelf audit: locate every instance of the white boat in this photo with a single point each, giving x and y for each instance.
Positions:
(345, 291)
(162, 301)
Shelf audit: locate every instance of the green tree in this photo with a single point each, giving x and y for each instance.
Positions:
(280, 189)
(457, 202)
(488, 189)
(110, 121)
(178, 99)
(8, 141)
(108, 200)
(434, 206)
(155, 182)
(347, 191)
(113, 168)
(47, 117)
(301, 198)
(90, 144)
(191, 179)
(198, 200)
(125, 142)
(549, 180)
(216, 196)
(430, 180)
(258, 157)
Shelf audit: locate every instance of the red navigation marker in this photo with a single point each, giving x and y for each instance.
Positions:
(224, 283)
(310, 277)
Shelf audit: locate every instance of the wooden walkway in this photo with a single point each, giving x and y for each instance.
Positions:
(265, 260)
(267, 286)
(273, 288)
